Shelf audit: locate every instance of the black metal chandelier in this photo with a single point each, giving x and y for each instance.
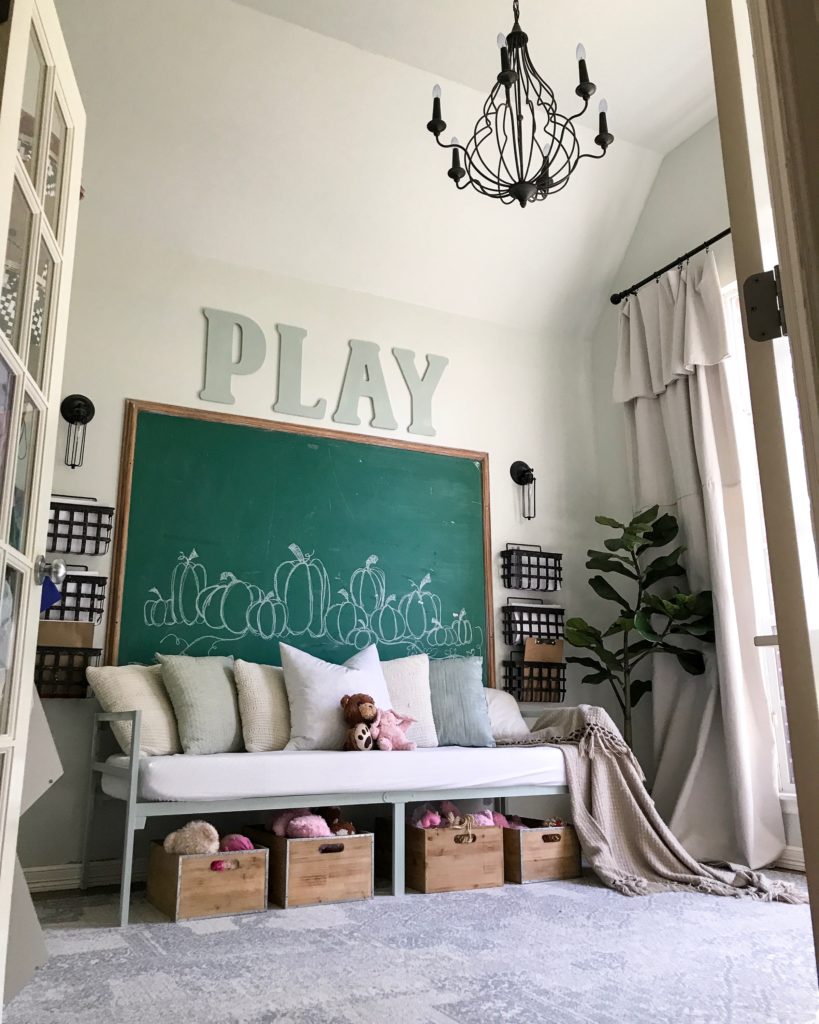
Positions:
(522, 148)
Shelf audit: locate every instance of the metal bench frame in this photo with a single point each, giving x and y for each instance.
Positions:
(138, 811)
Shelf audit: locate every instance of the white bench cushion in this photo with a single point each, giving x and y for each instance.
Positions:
(312, 772)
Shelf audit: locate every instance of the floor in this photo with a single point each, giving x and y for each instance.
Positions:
(569, 952)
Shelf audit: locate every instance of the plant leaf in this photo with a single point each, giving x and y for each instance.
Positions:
(604, 589)
(596, 677)
(608, 521)
(664, 530)
(608, 564)
(646, 517)
(639, 688)
(642, 624)
(621, 625)
(692, 661)
(586, 662)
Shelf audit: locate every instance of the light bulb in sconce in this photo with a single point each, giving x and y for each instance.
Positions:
(436, 92)
(501, 40)
(603, 106)
(580, 52)
(455, 141)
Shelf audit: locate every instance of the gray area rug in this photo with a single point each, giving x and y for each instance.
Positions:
(570, 952)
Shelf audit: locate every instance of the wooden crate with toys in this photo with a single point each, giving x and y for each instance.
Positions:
(538, 851)
(194, 874)
(316, 858)
(447, 851)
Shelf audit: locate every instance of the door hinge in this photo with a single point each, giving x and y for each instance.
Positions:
(764, 309)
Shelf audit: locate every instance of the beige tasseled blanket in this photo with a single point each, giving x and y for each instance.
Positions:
(625, 840)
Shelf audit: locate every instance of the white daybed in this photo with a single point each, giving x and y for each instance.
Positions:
(196, 784)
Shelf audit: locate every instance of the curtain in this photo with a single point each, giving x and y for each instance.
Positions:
(715, 750)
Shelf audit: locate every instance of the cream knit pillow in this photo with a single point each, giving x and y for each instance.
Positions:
(408, 683)
(137, 688)
(263, 706)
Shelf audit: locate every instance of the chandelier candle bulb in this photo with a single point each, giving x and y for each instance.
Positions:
(504, 53)
(437, 124)
(604, 138)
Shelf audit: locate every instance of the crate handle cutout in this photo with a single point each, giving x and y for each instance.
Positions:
(552, 837)
(467, 837)
(224, 865)
(332, 848)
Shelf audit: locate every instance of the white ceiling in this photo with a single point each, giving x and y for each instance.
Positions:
(649, 58)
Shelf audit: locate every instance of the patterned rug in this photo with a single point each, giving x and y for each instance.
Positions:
(567, 952)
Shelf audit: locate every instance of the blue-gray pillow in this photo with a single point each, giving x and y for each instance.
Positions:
(203, 694)
(459, 705)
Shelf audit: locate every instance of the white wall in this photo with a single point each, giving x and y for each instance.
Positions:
(239, 162)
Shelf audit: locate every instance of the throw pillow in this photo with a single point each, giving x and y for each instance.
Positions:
(263, 706)
(408, 684)
(459, 702)
(505, 717)
(315, 689)
(204, 698)
(137, 688)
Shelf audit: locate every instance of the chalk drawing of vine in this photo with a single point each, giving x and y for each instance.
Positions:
(300, 604)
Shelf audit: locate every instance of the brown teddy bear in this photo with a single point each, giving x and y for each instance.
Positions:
(359, 712)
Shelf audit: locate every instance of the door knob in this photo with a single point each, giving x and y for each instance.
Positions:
(55, 571)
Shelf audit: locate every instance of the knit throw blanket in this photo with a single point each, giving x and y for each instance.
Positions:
(627, 843)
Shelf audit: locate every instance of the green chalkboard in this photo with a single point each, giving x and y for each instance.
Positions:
(235, 534)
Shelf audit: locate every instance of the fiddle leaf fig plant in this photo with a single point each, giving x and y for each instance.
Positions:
(654, 616)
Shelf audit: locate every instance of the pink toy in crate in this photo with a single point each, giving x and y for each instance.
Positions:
(426, 817)
(483, 818)
(280, 820)
(447, 807)
(500, 820)
(233, 843)
(388, 730)
(309, 826)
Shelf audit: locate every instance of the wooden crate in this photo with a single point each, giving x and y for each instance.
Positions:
(452, 860)
(537, 854)
(305, 872)
(184, 887)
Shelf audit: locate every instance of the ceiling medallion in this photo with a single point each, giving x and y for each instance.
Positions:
(522, 148)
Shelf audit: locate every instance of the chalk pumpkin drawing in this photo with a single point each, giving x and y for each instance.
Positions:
(300, 604)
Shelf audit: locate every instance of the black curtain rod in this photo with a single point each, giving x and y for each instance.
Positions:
(618, 297)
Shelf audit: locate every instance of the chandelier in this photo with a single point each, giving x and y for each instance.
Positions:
(522, 148)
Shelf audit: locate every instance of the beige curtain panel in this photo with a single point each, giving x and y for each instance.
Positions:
(715, 754)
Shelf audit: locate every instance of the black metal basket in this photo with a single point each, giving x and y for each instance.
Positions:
(76, 529)
(83, 599)
(60, 671)
(524, 617)
(535, 681)
(527, 567)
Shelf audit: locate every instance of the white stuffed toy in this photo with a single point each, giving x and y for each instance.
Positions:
(195, 837)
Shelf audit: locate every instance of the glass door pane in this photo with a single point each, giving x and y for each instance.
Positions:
(38, 334)
(10, 591)
(31, 115)
(7, 386)
(56, 163)
(23, 474)
(14, 271)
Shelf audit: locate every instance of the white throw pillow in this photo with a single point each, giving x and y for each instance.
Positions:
(408, 684)
(263, 706)
(137, 688)
(315, 689)
(505, 718)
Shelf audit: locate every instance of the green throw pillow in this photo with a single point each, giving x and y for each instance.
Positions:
(204, 700)
(459, 702)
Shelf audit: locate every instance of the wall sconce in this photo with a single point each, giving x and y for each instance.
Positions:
(77, 411)
(524, 476)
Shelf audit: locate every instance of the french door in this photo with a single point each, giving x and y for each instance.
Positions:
(767, 85)
(42, 132)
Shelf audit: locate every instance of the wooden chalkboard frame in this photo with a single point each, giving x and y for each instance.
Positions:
(133, 408)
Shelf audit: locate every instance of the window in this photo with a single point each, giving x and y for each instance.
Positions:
(763, 597)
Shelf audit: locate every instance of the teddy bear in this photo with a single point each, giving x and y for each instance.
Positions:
(388, 730)
(332, 815)
(359, 712)
(195, 837)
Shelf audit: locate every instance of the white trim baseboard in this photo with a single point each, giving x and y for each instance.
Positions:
(792, 859)
(54, 877)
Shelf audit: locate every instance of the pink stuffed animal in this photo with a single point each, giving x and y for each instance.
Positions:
(309, 826)
(483, 818)
(388, 730)
(279, 822)
(500, 820)
(234, 843)
(426, 817)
